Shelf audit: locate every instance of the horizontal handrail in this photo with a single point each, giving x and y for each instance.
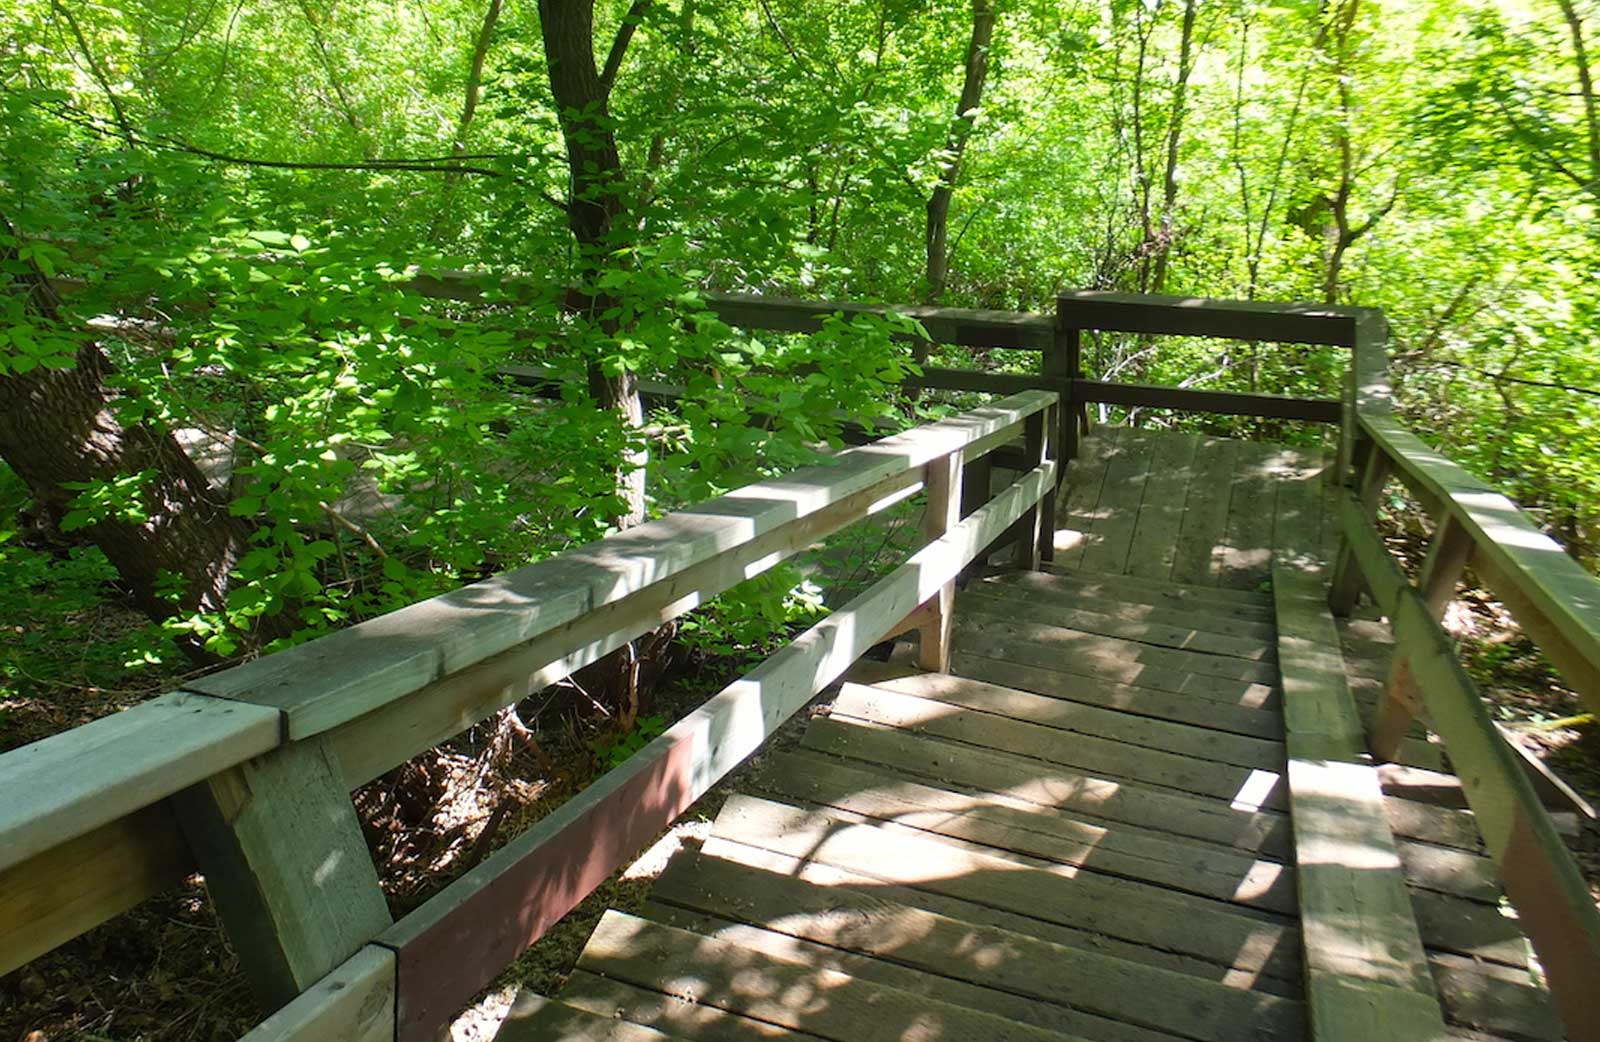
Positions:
(387, 689)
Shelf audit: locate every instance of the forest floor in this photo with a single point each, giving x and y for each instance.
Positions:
(165, 970)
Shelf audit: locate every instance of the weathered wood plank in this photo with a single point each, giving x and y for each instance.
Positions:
(1252, 787)
(353, 1003)
(1117, 512)
(1112, 654)
(1055, 786)
(1205, 511)
(287, 866)
(1182, 739)
(785, 946)
(1559, 602)
(456, 942)
(998, 821)
(942, 512)
(1244, 558)
(1299, 508)
(351, 672)
(534, 1018)
(1552, 900)
(1191, 399)
(998, 600)
(1155, 534)
(77, 885)
(1208, 316)
(620, 1000)
(1367, 972)
(1141, 701)
(1002, 960)
(838, 1007)
(90, 776)
(1237, 945)
(1080, 492)
(1158, 609)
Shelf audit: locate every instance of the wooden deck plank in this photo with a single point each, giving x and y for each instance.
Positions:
(844, 917)
(1256, 788)
(677, 1014)
(1300, 509)
(1155, 536)
(1010, 603)
(1214, 598)
(1055, 786)
(1080, 493)
(1106, 658)
(1049, 588)
(1244, 558)
(1183, 739)
(998, 821)
(1205, 511)
(534, 1018)
(786, 946)
(1127, 468)
(1132, 699)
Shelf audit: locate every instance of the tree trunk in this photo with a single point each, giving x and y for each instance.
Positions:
(1169, 183)
(57, 427)
(594, 204)
(937, 227)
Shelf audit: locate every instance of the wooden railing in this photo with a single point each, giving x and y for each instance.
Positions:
(1557, 604)
(245, 775)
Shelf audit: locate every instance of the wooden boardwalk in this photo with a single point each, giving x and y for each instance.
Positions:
(1087, 828)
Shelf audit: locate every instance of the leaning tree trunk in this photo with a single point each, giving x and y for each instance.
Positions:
(594, 204)
(936, 227)
(57, 428)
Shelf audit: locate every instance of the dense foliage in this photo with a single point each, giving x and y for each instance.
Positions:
(229, 202)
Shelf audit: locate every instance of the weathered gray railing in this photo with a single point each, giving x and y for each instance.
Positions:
(245, 775)
(1556, 602)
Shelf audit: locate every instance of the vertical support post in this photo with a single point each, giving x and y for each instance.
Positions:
(1062, 365)
(1035, 445)
(946, 492)
(976, 483)
(1373, 473)
(1047, 506)
(285, 861)
(1402, 700)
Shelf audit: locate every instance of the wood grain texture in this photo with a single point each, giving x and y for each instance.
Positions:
(1209, 316)
(854, 919)
(1367, 973)
(349, 673)
(90, 776)
(287, 866)
(456, 942)
(354, 1003)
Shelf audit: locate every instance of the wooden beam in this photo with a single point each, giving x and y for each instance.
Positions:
(1554, 599)
(354, 1003)
(75, 782)
(1367, 975)
(1029, 525)
(1552, 899)
(1372, 475)
(287, 866)
(354, 671)
(459, 940)
(943, 512)
(1188, 399)
(71, 888)
(1204, 316)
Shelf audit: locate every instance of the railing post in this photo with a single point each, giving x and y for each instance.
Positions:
(1062, 365)
(1047, 506)
(945, 509)
(1036, 445)
(285, 861)
(1402, 701)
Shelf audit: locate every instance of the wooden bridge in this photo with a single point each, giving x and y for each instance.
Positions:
(1179, 752)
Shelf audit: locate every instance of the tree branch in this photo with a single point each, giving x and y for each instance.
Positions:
(619, 45)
